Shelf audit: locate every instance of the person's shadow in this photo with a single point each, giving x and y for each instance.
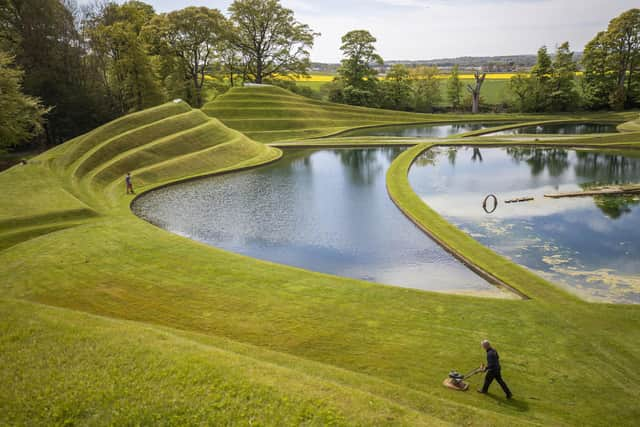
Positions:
(515, 403)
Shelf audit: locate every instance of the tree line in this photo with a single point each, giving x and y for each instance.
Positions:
(611, 77)
(70, 69)
(65, 69)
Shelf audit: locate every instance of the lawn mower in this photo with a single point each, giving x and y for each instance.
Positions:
(455, 380)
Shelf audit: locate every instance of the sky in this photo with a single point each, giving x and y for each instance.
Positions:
(429, 29)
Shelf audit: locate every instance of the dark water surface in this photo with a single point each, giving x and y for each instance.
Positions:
(423, 130)
(560, 129)
(590, 245)
(325, 210)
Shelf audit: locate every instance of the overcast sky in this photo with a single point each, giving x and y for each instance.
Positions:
(427, 29)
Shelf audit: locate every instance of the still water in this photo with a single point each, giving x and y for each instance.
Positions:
(590, 245)
(325, 210)
(560, 129)
(422, 130)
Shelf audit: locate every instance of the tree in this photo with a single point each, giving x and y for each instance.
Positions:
(623, 36)
(597, 82)
(520, 86)
(43, 38)
(271, 38)
(128, 75)
(454, 88)
(426, 88)
(187, 41)
(612, 64)
(475, 91)
(21, 116)
(356, 70)
(231, 63)
(541, 75)
(395, 90)
(564, 96)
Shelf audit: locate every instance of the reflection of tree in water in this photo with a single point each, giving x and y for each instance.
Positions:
(616, 206)
(452, 154)
(428, 158)
(363, 165)
(477, 155)
(553, 160)
(292, 160)
(607, 168)
(390, 153)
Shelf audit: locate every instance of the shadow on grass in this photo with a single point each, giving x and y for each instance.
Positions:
(514, 403)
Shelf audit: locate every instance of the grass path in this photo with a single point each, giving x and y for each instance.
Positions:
(107, 319)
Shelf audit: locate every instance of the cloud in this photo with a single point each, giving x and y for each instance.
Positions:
(424, 29)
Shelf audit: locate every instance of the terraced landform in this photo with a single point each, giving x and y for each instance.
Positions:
(107, 319)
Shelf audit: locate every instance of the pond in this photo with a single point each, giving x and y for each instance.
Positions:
(589, 245)
(560, 129)
(422, 130)
(323, 210)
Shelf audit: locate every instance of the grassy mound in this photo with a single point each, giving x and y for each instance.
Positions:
(630, 126)
(84, 178)
(270, 113)
(156, 146)
(107, 319)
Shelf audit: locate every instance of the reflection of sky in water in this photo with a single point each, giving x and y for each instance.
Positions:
(324, 210)
(591, 245)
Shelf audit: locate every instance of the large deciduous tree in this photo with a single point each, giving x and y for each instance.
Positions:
(126, 69)
(272, 40)
(21, 116)
(624, 43)
(612, 64)
(187, 41)
(356, 72)
(43, 38)
(597, 82)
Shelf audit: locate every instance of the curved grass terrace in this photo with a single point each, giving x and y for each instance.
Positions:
(107, 319)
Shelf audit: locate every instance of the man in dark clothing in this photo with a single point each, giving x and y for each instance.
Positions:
(127, 180)
(493, 370)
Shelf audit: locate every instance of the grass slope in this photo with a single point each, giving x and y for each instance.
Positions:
(269, 114)
(109, 320)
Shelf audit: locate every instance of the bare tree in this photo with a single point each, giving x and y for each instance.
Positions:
(475, 91)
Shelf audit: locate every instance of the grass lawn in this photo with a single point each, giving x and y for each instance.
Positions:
(106, 319)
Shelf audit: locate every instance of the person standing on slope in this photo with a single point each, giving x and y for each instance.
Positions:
(493, 370)
(127, 180)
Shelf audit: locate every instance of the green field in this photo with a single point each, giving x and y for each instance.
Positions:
(107, 319)
(494, 92)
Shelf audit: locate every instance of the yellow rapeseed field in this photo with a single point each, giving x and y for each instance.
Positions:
(323, 78)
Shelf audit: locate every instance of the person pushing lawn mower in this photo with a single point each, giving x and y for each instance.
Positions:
(492, 371)
(458, 381)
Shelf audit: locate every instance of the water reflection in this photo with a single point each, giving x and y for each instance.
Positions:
(616, 206)
(423, 130)
(560, 129)
(324, 210)
(553, 160)
(589, 245)
(364, 166)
